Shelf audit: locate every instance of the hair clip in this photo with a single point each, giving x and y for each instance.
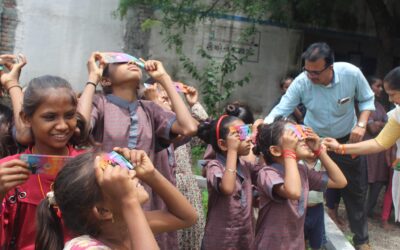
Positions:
(51, 198)
(207, 121)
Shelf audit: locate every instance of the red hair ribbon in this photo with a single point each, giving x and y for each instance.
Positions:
(219, 124)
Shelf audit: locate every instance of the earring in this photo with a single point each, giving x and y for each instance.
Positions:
(112, 219)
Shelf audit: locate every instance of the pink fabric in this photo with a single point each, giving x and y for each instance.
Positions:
(387, 200)
(85, 242)
(27, 203)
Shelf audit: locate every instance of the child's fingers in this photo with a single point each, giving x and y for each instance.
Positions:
(92, 57)
(125, 152)
(131, 155)
(13, 184)
(97, 56)
(98, 171)
(147, 64)
(22, 59)
(15, 170)
(132, 174)
(9, 65)
(14, 162)
(7, 57)
(190, 89)
(14, 177)
(121, 171)
(151, 65)
(141, 157)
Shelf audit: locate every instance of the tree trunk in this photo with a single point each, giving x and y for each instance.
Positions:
(385, 31)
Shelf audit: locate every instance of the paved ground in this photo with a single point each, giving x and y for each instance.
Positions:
(380, 239)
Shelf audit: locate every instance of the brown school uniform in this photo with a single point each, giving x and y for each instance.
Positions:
(138, 125)
(229, 218)
(280, 223)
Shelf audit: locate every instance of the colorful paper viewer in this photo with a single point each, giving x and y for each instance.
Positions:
(244, 131)
(45, 164)
(299, 130)
(114, 159)
(117, 57)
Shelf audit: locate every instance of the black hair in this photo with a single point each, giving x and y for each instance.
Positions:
(318, 51)
(207, 131)
(76, 192)
(269, 135)
(7, 144)
(36, 93)
(393, 78)
(283, 81)
(372, 79)
(240, 110)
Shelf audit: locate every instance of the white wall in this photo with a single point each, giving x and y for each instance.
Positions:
(58, 36)
(278, 53)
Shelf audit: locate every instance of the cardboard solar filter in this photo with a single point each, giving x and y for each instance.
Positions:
(179, 87)
(118, 57)
(244, 131)
(299, 130)
(113, 159)
(45, 164)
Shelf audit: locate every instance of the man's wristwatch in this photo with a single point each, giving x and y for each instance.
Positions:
(361, 124)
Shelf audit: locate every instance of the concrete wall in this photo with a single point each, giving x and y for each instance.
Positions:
(277, 51)
(58, 36)
(8, 24)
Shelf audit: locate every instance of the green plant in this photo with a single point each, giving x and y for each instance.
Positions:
(176, 19)
(204, 197)
(197, 154)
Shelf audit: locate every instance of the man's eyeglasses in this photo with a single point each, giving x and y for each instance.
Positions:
(315, 72)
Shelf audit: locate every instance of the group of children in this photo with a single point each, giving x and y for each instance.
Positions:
(90, 205)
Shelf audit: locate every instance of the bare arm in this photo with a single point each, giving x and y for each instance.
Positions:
(386, 138)
(185, 124)
(228, 182)
(180, 213)
(12, 174)
(336, 177)
(361, 148)
(10, 82)
(141, 236)
(122, 186)
(291, 188)
(95, 73)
